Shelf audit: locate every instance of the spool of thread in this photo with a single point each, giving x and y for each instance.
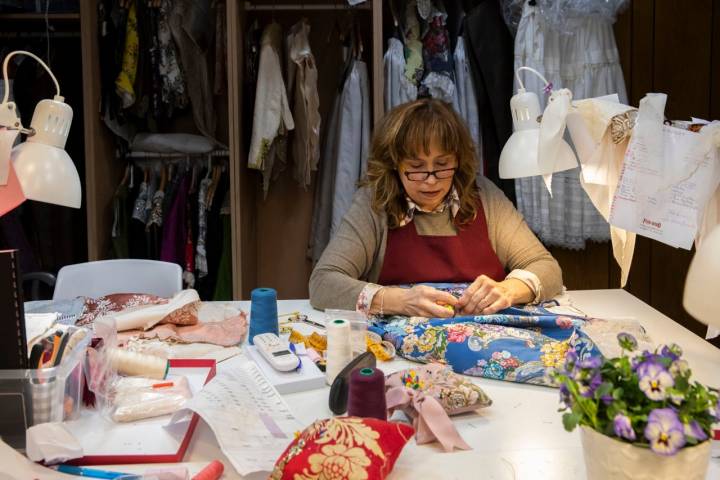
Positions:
(212, 472)
(137, 364)
(366, 394)
(263, 312)
(339, 348)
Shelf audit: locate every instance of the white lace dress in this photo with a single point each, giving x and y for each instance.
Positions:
(584, 59)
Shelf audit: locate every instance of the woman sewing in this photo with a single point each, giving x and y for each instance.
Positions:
(421, 216)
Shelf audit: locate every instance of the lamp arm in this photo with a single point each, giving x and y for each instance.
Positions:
(522, 86)
(6, 95)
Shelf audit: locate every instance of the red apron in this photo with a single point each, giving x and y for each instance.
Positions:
(413, 258)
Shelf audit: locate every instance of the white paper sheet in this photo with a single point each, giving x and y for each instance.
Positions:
(666, 181)
(38, 323)
(252, 423)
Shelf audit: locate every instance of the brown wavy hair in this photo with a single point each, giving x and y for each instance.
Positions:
(401, 134)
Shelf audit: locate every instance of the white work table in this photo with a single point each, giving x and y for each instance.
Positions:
(521, 435)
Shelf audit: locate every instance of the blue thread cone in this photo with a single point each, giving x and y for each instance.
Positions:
(263, 312)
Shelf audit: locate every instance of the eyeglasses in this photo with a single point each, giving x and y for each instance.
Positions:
(438, 174)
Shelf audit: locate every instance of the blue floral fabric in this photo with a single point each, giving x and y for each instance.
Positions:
(516, 344)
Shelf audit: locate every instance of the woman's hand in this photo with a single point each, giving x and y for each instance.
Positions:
(485, 296)
(418, 301)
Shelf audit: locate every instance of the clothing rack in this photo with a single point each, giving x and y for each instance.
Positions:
(151, 155)
(310, 6)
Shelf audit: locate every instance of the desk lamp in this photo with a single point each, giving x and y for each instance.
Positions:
(519, 157)
(702, 285)
(45, 171)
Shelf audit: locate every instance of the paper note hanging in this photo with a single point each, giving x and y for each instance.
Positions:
(667, 178)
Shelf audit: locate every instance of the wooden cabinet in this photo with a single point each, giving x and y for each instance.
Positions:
(269, 236)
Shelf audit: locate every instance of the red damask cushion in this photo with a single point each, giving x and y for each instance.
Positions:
(343, 448)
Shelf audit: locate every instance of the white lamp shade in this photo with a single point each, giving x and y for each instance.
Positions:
(702, 285)
(45, 170)
(519, 157)
(47, 174)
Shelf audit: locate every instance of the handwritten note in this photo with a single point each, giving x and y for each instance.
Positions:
(647, 201)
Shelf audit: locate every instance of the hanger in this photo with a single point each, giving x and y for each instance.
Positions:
(163, 177)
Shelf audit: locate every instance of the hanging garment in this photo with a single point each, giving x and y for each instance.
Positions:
(119, 232)
(324, 186)
(439, 81)
(174, 89)
(220, 48)
(489, 52)
(223, 287)
(112, 25)
(191, 23)
(272, 117)
(125, 82)
(465, 102)
(587, 63)
(201, 253)
(303, 83)
(174, 224)
(413, 45)
(214, 240)
(353, 141)
(398, 89)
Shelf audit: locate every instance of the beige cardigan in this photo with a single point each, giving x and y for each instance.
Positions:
(355, 254)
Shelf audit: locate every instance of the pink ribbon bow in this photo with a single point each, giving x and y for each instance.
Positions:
(429, 418)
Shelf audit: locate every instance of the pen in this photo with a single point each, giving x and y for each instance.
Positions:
(89, 472)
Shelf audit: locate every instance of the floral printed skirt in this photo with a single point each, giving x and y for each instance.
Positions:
(517, 344)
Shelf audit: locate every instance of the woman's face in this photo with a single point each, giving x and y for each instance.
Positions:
(428, 193)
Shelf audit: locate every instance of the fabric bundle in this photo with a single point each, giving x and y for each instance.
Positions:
(516, 344)
(430, 393)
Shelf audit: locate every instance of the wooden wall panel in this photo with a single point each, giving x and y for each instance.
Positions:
(101, 170)
(584, 269)
(683, 73)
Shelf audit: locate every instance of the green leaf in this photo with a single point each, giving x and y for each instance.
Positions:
(617, 393)
(570, 421)
(604, 389)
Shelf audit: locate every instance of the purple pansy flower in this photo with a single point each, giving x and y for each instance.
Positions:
(590, 363)
(654, 379)
(673, 351)
(565, 398)
(570, 360)
(623, 427)
(664, 431)
(694, 430)
(588, 390)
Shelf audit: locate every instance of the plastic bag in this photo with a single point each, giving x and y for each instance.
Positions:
(136, 398)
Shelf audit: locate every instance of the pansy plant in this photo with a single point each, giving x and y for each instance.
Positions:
(646, 398)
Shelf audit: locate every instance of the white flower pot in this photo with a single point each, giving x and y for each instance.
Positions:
(608, 458)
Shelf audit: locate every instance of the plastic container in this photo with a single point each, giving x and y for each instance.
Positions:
(33, 396)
